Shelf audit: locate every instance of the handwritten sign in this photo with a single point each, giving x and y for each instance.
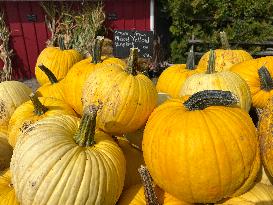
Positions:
(125, 39)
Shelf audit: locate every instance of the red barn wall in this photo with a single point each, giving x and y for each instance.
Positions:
(28, 38)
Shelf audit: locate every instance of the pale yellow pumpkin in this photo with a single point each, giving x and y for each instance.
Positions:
(134, 159)
(34, 110)
(62, 160)
(5, 151)
(127, 98)
(260, 194)
(200, 151)
(77, 75)
(58, 60)
(12, 95)
(135, 196)
(7, 193)
(264, 177)
(222, 80)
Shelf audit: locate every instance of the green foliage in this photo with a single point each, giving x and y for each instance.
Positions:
(242, 20)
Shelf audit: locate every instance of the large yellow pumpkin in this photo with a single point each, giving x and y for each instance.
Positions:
(266, 135)
(199, 150)
(54, 88)
(75, 78)
(58, 60)
(225, 58)
(12, 95)
(134, 159)
(7, 193)
(5, 151)
(135, 196)
(62, 160)
(258, 75)
(127, 98)
(172, 78)
(34, 110)
(260, 194)
(222, 80)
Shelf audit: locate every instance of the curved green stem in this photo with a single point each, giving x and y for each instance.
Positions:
(211, 63)
(132, 61)
(266, 80)
(96, 53)
(190, 64)
(85, 135)
(224, 40)
(149, 192)
(39, 108)
(48, 73)
(207, 98)
(61, 43)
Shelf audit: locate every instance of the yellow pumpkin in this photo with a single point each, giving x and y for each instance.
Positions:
(54, 88)
(264, 177)
(134, 159)
(260, 194)
(7, 193)
(265, 136)
(4, 129)
(199, 150)
(258, 75)
(225, 58)
(135, 196)
(34, 110)
(77, 75)
(127, 98)
(172, 78)
(222, 80)
(62, 160)
(12, 95)
(58, 59)
(5, 151)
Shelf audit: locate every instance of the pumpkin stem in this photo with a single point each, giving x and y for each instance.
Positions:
(132, 61)
(84, 136)
(51, 77)
(211, 64)
(96, 54)
(190, 64)
(39, 108)
(224, 40)
(266, 80)
(61, 43)
(149, 192)
(207, 98)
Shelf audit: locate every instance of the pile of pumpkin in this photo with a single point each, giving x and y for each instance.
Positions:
(84, 135)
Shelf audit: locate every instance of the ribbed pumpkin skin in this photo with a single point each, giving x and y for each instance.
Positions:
(12, 95)
(135, 196)
(4, 129)
(260, 194)
(7, 193)
(266, 135)
(48, 167)
(225, 59)
(200, 156)
(134, 159)
(55, 90)
(77, 75)
(5, 151)
(127, 100)
(226, 80)
(58, 61)
(248, 70)
(24, 115)
(172, 79)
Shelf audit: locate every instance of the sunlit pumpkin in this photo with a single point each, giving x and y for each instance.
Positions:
(7, 193)
(127, 98)
(202, 149)
(63, 160)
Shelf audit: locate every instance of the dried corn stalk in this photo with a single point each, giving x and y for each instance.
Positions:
(5, 51)
(78, 27)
